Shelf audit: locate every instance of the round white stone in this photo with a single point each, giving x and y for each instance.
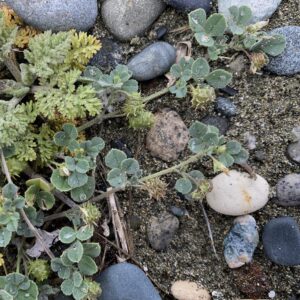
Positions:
(237, 194)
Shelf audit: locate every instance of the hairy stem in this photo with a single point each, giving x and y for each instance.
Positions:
(156, 95)
(190, 160)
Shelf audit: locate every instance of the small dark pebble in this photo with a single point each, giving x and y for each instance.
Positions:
(288, 190)
(189, 5)
(229, 91)
(281, 240)
(178, 211)
(260, 156)
(109, 56)
(121, 145)
(221, 123)
(225, 107)
(161, 32)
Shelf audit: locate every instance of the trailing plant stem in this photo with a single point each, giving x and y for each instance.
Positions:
(156, 95)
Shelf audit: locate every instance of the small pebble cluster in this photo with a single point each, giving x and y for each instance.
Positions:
(235, 193)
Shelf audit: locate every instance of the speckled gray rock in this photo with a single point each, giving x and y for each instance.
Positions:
(127, 19)
(225, 107)
(168, 136)
(241, 242)
(288, 62)
(161, 231)
(293, 152)
(288, 190)
(153, 61)
(262, 10)
(221, 123)
(109, 56)
(57, 15)
(126, 281)
(281, 239)
(189, 5)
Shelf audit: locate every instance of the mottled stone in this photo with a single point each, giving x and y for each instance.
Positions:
(293, 152)
(189, 5)
(225, 107)
(155, 60)
(187, 290)
(241, 242)
(221, 123)
(126, 281)
(288, 190)
(281, 239)
(127, 19)
(252, 281)
(288, 62)
(109, 56)
(262, 10)
(237, 194)
(161, 231)
(57, 15)
(168, 136)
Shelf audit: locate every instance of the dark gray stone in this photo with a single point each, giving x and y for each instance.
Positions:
(288, 190)
(127, 19)
(57, 15)
(189, 5)
(221, 123)
(293, 151)
(225, 107)
(125, 281)
(281, 240)
(153, 61)
(178, 211)
(161, 231)
(241, 242)
(287, 63)
(109, 56)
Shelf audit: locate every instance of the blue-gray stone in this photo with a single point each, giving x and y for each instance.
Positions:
(57, 15)
(189, 5)
(241, 242)
(127, 19)
(293, 151)
(109, 56)
(221, 123)
(153, 61)
(281, 240)
(225, 107)
(288, 190)
(178, 211)
(125, 281)
(288, 62)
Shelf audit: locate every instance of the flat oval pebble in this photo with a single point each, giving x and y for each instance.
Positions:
(155, 60)
(241, 242)
(187, 290)
(161, 230)
(126, 281)
(293, 152)
(127, 19)
(57, 15)
(189, 5)
(225, 107)
(237, 194)
(288, 190)
(288, 62)
(168, 136)
(281, 239)
(262, 10)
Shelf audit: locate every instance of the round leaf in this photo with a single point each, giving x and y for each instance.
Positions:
(226, 159)
(117, 178)
(85, 233)
(219, 78)
(91, 249)
(200, 69)
(241, 157)
(84, 192)
(67, 287)
(114, 158)
(215, 25)
(75, 252)
(130, 166)
(41, 183)
(82, 166)
(183, 186)
(197, 19)
(233, 147)
(77, 279)
(70, 163)
(274, 45)
(87, 266)
(204, 39)
(60, 182)
(67, 235)
(198, 129)
(45, 200)
(77, 179)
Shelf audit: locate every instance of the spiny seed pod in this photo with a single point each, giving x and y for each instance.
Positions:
(156, 188)
(204, 187)
(144, 120)
(202, 96)
(90, 213)
(39, 269)
(258, 61)
(94, 290)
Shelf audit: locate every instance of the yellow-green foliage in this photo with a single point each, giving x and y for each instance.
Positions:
(136, 113)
